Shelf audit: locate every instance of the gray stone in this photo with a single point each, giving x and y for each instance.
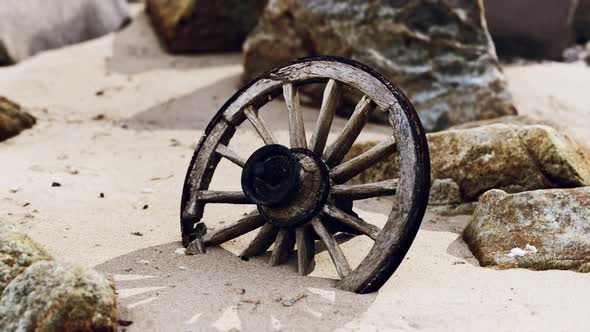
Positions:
(190, 26)
(28, 27)
(13, 119)
(555, 222)
(17, 252)
(49, 296)
(438, 52)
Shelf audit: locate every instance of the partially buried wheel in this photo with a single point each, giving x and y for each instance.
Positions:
(303, 194)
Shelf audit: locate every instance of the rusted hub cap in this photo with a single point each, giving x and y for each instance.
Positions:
(290, 186)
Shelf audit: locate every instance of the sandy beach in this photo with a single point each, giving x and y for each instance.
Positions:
(117, 122)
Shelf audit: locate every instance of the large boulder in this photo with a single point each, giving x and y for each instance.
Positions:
(438, 52)
(49, 296)
(13, 119)
(507, 157)
(543, 35)
(539, 230)
(17, 252)
(187, 26)
(31, 26)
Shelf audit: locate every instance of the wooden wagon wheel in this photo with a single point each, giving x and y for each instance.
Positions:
(296, 189)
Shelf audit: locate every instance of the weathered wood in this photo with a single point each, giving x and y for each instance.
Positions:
(319, 137)
(360, 225)
(263, 240)
(259, 125)
(296, 126)
(230, 155)
(362, 162)
(305, 250)
(342, 266)
(229, 232)
(338, 149)
(227, 197)
(364, 191)
(283, 247)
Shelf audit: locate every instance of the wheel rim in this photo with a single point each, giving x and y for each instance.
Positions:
(408, 139)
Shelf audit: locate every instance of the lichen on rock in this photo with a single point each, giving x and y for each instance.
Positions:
(555, 222)
(49, 296)
(438, 52)
(17, 252)
(13, 119)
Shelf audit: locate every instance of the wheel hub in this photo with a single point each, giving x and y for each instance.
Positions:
(290, 186)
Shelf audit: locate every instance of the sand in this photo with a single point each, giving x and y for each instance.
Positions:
(151, 110)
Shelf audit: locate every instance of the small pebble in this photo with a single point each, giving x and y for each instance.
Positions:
(180, 251)
(14, 189)
(182, 267)
(137, 233)
(56, 184)
(145, 207)
(101, 195)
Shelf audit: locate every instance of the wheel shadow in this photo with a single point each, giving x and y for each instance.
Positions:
(163, 290)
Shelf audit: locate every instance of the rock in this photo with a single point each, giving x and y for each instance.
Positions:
(31, 26)
(49, 296)
(511, 158)
(438, 52)
(444, 192)
(13, 119)
(187, 26)
(518, 120)
(582, 21)
(543, 35)
(17, 252)
(552, 226)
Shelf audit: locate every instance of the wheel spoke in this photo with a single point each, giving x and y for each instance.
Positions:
(362, 162)
(342, 266)
(260, 125)
(325, 118)
(241, 227)
(364, 191)
(296, 126)
(356, 223)
(338, 149)
(305, 250)
(261, 242)
(230, 155)
(227, 197)
(283, 247)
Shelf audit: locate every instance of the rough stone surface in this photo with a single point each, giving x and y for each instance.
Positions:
(444, 192)
(511, 158)
(187, 26)
(438, 52)
(13, 119)
(28, 27)
(49, 296)
(556, 222)
(17, 252)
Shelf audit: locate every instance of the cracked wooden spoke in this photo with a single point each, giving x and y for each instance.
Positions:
(324, 123)
(230, 155)
(342, 266)
(259, 124)
(227, 197)
(296, 126)
(356, 223)
(261, 242)
(364, 191)
(305, 250)
(230, 232)
(338, 149)
(283, 247)
(364, 161)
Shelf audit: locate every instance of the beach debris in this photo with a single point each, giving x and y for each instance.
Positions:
(145, 207)
(101, 195)
(137, 233)
(551, 222)
(180, 251)
(290, 301)
(56, 184)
